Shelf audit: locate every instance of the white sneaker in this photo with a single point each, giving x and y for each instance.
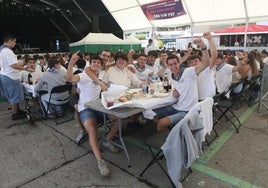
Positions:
(110, 146)
(81, 135)
(104, 170)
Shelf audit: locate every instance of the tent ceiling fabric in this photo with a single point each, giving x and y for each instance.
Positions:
(130, 16)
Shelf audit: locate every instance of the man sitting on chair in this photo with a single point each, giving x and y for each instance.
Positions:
(51, 78)
(36, 74)
(185, 87)
(90, 91)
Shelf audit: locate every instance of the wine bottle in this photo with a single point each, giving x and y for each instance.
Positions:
(30, 79)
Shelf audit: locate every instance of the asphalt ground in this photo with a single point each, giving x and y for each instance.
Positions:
(43, 154)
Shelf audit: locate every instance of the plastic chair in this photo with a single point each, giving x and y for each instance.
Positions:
(154, 144)
(226, 105)
(156, 141)
(56, 110)
(252, 94)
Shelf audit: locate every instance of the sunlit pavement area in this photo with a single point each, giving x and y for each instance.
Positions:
(44, 154)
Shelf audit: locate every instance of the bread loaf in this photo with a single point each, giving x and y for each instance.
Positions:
(122, 99)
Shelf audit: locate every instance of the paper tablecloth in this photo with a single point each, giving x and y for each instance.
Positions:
(29, 89)
(148, 103)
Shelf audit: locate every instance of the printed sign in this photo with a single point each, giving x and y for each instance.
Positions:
(163, 9)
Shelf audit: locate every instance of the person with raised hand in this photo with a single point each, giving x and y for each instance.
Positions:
(185, 89)
(90, 91)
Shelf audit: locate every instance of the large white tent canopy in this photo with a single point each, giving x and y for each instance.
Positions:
(129, 15)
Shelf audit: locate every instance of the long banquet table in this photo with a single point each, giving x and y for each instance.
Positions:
(130, 108)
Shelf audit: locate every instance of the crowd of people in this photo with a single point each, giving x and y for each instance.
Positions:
(195, 74)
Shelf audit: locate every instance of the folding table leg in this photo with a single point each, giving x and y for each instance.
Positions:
(122, 145)
(122, 142)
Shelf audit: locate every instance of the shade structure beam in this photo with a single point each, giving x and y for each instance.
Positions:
(66, 18)
(82, 10)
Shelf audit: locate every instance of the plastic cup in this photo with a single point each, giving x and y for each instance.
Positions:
(110, 101)
(151, 91)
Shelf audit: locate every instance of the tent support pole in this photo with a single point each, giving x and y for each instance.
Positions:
(191, 18)
(192, 31)
(246, 28)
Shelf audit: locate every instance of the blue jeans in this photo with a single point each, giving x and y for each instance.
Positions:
(168, 111)
(12, 89)
(89, 114)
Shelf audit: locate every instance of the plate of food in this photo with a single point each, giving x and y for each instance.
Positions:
(132, 94)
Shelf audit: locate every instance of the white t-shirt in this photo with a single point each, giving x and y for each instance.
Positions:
(89, 90)
(154, 67)
(187, 88)
(223, 77)
(258, 64)
(144, 75)
(7, 58)
(265, 61)
(101, 74)
(114, 75)
(148, 49)
(166, 72)
(206, 84)
(36, 75)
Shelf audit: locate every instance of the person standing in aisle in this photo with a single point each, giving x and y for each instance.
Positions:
(10, 76)
(149, 47)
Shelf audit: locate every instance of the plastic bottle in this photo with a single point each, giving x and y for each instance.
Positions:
(166, 83)
(144, 87)
(30, 79)
(155, 82)
(155, 77)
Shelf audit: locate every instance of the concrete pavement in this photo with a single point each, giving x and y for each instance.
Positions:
(46, 155)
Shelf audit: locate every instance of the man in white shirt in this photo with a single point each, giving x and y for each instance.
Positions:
(205, 80)
(223, 72)
(185, 88)
(119, 73)
(152, 63)
(36, 75)
(149, 47)
(264, 55)
(10, 76)
(90, 91)
(105, 56)
(142, 72)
